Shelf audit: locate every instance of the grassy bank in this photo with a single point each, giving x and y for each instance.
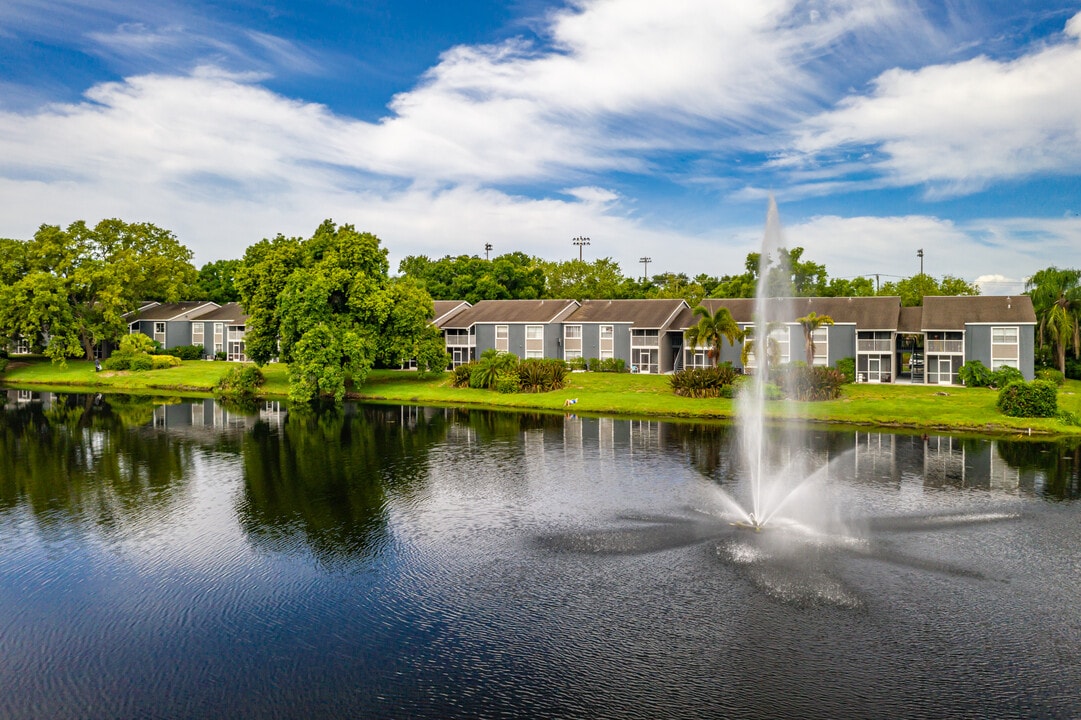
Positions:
(957, 409)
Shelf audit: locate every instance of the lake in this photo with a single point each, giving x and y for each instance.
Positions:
(188, 560)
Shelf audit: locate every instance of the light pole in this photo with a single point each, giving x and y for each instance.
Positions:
(919, 254)
(580, 242)
(645, 272)
(487, 249)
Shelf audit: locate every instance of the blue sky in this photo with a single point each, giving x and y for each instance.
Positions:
(656, 129)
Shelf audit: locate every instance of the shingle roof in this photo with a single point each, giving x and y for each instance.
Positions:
(513, 311)
(173, 311)
(911, 320)
(952, 313)
(869, 313)
(655, 313)
(447, 309)
(229, 311)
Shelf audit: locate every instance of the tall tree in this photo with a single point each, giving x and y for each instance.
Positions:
(811, 322)
(73, 286)
(1056, 298)
(513, 276)
(216, 282)
(599, 279)
(912, 290)
(711, 329)
(327, 306)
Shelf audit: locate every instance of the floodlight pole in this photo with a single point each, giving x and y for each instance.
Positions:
(645, 272)
(919, 254)
(487, 249)
(580, 242)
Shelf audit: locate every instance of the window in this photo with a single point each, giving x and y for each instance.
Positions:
(1004, 347)
(572, 342)
(21, 346)
(780, 338)
(608, 343)
(219, 337)
(159, 332)
(502, 338)
(196, 333)
(645, 338)
(821, 341)
(534, 341)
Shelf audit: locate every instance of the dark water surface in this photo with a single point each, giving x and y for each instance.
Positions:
(187, 561)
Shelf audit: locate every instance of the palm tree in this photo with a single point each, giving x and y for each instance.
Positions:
(1056, 297)
(811, 322)
(712, 327)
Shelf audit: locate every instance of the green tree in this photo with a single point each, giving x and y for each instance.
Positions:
(578, 280)
(73, 286)
(514, 276)
(912, 290)
(1056, 298)
(216, 282)
(811, 322)
(711, 328)
(327, 306)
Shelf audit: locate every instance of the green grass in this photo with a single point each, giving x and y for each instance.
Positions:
(916, 407)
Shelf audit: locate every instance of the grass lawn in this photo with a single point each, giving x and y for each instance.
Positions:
(953, 408)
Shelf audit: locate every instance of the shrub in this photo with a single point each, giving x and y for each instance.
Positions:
(240, 384)
(535, 375)
(491, 364)
(1073, 369)
(117, 361)
(703, 382)
(578, 363)
(1005, 375)
(1051, 374)
(1038, 398)
(975, 374)
(159, 362)
(136, 342)
(847, 367)
(804, 382)
(220, 355)
(506, 382)
(460, 375)
(186, 352)
(616, 365)
(141, 362)
(1069, 418)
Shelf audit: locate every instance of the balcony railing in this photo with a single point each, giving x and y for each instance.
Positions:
(882, 346)
(944, 346)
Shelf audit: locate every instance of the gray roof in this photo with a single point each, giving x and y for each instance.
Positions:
(911, 320)
(173, 311)
(447, 309)
(513, 311)
(869, 313)
(229, 312)
(953, 313)
(656, 313)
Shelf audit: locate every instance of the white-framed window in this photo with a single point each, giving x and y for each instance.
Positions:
(534, 341)
(1005, 348)
(822, 346)
(607, 341)
(645, 338)
(699, 358)
(502, 338)
(782, 338)
(572, 342)
(21, 346)
(159, 332)
(196, 333)
(219, 337)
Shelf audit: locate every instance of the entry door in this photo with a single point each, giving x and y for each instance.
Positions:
(874, 369)
(945, 371)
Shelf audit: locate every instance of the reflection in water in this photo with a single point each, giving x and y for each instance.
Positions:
(184, 559)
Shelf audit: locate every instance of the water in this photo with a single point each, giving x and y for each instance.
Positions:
(186, 561)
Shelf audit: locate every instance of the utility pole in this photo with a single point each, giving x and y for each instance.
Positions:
(645, 272)
(580, 242)
(487, 249)
(919, 254)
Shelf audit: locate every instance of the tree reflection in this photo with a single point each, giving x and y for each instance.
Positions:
(78, 460)
(322, 480)
(1049, 468)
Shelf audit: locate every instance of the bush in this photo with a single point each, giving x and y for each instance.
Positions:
(185, 352)
(141, 362)
(460, 375)
(847, 367)
(220, 355)
(1051, 374)
(535, 375)
(240, 384)
(703, 382)
(506, 382)
(804, 382)
(1038, 398)
(159, 362)
(1005, 375)
(616, 365)
(490, 366)
(134, 343)
(1073, 369)
(117, 361)
(578, 363)
(975, 374)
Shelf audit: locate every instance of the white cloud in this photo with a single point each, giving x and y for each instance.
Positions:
(958, 127)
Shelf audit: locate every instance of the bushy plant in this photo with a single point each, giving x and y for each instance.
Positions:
(702, 382)
(140, 362)
(240, 384)
(847, 367)
(491, 364)
(506, 382)
(1073, 369)
(220, 355)
(137, 343)
(975, 374)
(1038, 398)
(1005, 375)
(185, 352)
(461, 374)
(578, 363)
(536, 375)
(1069, 418)
(117, 361)
(804, 382)
(159, 362)
(1051, 374)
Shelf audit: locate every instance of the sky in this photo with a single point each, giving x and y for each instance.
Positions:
(656, 129)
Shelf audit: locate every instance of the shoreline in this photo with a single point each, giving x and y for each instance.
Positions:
(955, 410)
